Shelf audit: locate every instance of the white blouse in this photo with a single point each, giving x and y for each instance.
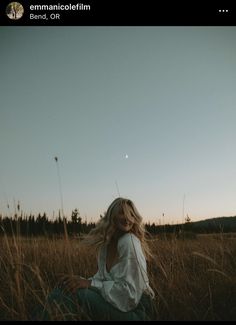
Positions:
(127, 280)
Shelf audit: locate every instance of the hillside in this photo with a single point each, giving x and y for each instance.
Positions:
(224, 224)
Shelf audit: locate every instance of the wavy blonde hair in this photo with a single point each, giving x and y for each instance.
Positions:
(106, 227)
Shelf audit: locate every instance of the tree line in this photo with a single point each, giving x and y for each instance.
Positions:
(41, 225)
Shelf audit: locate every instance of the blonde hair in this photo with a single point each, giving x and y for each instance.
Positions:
(106, 227)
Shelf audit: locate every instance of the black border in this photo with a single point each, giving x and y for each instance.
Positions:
(129, 13)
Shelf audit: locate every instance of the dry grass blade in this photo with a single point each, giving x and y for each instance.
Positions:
(163, 270)
(220, 272)
(9, 309)
(205, 257)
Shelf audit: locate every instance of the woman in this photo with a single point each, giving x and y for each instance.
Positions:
(120, 289)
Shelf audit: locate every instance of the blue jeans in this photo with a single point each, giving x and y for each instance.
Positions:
(89, 304)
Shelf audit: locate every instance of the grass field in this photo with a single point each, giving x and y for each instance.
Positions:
(194, 279)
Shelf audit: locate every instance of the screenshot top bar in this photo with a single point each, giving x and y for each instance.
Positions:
(115, 13)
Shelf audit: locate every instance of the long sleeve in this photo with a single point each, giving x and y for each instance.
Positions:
(96, 280)
(128, 278)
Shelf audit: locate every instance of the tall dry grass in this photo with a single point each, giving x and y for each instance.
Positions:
(194, 279)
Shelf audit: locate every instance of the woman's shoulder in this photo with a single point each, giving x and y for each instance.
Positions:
(128, 239)
(129, 245)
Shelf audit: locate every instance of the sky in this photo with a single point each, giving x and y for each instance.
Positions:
(146, 113)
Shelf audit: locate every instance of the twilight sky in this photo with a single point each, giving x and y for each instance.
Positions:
(148, 112)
